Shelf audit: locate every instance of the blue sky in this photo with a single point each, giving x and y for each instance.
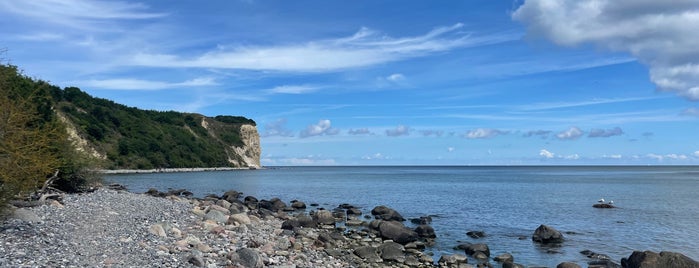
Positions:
(477, 82)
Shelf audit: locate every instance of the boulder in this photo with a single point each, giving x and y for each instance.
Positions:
(603, 264)
(240, 218)
(196, 260)
(353, 212)
(368, 254)
(425, 231)
(217, 216)
(157, 229)
(512, 265)
(601, 205)
(306, 221)
(386, 213)
(476, 234)
(26, 215)
(397, 232)
(505, 257)
(251, 202)
(453, 260)
(422, 220)
(298, 204)
(568, 265)
(545, 234)
(290, 224)
(324, 217)
(231, 195)
(249, 258)
(650, 259)
(472, 249)
(392, 251)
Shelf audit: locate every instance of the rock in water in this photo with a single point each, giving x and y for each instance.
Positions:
(650, 259)
(603, 206)
(425, 231)
(386, 213)
(568, 265)
(545, 234)
(397, 232)
(505, 257)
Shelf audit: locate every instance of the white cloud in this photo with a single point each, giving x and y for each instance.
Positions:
(395, 77)
(605, 133)
(398, 131)
(546, 154)
(364, 48)
(483, 133)
(661, 158)
(691, 112)
(450, 149)
(696, 153)
(277, 128)
(293, 89)
(78, 13)
(322, 128)
(360, 131)
(138, 84)
(570, 134)
(661, 34)
(572, 157)
(376, 156)
(612, 156)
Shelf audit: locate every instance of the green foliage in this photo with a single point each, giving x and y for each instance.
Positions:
(139, 139)
(33, 141)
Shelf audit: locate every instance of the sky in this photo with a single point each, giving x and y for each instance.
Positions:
(478, 82)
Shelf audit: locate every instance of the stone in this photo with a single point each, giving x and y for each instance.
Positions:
(196, 260)
(472, 249)
(601, 205)
(512, 265)
(665, 259)
(25, 215)
(217, 216)
(603, 264)
(392, 251)
(249, 258)
(239, 218)
(324, 217)
(476, 234)
(545, 235)
(505, 257)
(298, 204)
(396, 231)
(386, 213)
(422, 220)
(452, 260)
(368, 254)
(353, 211)
(425, 231)
(231, 195)
(157, 229)
(568, 265)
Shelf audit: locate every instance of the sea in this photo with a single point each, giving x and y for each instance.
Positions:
(657, 206)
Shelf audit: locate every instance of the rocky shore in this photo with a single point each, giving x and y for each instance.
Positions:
(114, 228)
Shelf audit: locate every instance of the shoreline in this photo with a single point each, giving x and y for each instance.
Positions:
(170, 170)
(126, 229)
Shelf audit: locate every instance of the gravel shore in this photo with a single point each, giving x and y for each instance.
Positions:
(110, 228)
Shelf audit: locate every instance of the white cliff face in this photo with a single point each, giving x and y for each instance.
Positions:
(250, 152)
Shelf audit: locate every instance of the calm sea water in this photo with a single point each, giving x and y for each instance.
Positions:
(658, 206)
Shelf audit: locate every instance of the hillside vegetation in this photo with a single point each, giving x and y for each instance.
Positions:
(131, 138)
(46, 130)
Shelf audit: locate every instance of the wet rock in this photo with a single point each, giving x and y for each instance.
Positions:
(505, 257)
(603, 264)
(231, 195)
(386, 213)
(425, 231)
(353, 212)
(472, 249)
(476, 234)
(453, 260)
(196, 260)
(568, 265)
(422, 220)
(298, 204)
(512, 265)
(396, 231)
(593, 255)
(545, 234)
(665, 259)
(392, 251)
(600, 205)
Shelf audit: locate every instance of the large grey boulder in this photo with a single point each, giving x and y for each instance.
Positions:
(453, 260)
(392, 251)
(650, 259)
(216, 216)
(425, 231)
(568, 265)
(324, 217)
(249, 258)
(397, 232)
(368, 254)
(546, 234)
(386, 213)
